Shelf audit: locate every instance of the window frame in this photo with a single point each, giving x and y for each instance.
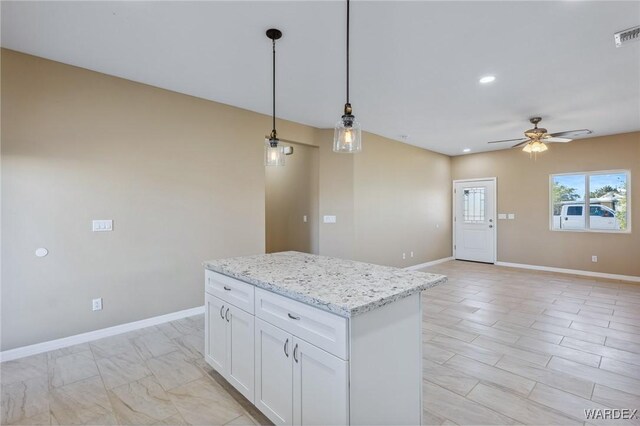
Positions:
(587, 201)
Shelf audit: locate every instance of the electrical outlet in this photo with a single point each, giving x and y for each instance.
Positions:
(97, 304)
(411, 254)
(404, 255)
(304, 218)
(594, 259)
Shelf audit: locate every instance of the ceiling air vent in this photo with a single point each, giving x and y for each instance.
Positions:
(627, 36)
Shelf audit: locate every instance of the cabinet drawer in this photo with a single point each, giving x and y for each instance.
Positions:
(323, 329)
(235, 292)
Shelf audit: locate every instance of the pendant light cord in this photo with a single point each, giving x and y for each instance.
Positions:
(348, 51)
(273, 132)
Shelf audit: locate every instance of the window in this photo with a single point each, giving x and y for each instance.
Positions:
(474, 205)
(605, 195)
(574, 211)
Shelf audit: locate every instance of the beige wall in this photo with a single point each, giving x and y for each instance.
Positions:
(523, 189)
(182, 178)
(184, 181)
(336, 198)
(402, 203)
(291, 194)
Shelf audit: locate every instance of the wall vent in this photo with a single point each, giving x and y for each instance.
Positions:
(627, 36)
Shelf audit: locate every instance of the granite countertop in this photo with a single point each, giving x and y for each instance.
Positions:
(344, 287)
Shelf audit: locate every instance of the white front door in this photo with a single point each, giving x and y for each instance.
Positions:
(474, 220)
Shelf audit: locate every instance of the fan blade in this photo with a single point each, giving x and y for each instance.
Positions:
(552, 139)
(510, 140)
(521, 143)
(571, 133)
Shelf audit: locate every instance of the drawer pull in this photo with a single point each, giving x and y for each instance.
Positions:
(226, 315)
(221, 314)
(295, 351)
(293, 317)
(286, 348)
(226, 288)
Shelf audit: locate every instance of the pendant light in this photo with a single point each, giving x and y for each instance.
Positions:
(347, 136)
(273, 150)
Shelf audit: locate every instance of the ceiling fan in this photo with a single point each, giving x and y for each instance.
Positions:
(535, 139)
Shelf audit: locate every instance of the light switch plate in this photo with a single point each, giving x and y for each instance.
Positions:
(502, 215)
(329, 219)
(304, 218)
(511, 216)
(102, 225)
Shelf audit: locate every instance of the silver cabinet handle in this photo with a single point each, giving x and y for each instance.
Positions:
(293, 317)
(295, 353)
(226, 288)
(221, 314)
(286, 348)
(226, 315)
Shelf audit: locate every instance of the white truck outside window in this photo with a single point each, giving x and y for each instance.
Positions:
(605, 195)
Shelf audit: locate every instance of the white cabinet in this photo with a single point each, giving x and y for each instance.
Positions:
(301, 365)
(216, 333)
(240, 351)
(320, 386)
(274, 373)
(229, 344)
(298, 383)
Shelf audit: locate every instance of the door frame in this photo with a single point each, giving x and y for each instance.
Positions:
(495, 213)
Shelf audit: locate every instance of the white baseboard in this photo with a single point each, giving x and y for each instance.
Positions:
(631, 278)
(51, 345)
(427, 264)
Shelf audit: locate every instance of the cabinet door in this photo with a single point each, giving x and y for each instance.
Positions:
(274, 373)
(240, 351)
(320, 386)
(215, 334)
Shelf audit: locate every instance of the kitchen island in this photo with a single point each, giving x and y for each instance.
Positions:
(318, 340)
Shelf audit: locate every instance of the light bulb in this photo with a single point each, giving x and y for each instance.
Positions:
(347, 137)
(273, 154)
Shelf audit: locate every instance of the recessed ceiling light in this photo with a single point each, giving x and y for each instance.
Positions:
(466, 150)
(487, 79)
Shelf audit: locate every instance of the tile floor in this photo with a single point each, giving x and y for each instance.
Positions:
(156, 375)
(501, 346)
(505, 346)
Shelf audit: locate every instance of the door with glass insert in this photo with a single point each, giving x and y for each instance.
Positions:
(474, 220)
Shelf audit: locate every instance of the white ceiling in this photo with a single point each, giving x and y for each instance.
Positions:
(415, 65)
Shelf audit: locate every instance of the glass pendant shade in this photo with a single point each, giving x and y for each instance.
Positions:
(273, 153)
(347, 136)
(535, 147)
